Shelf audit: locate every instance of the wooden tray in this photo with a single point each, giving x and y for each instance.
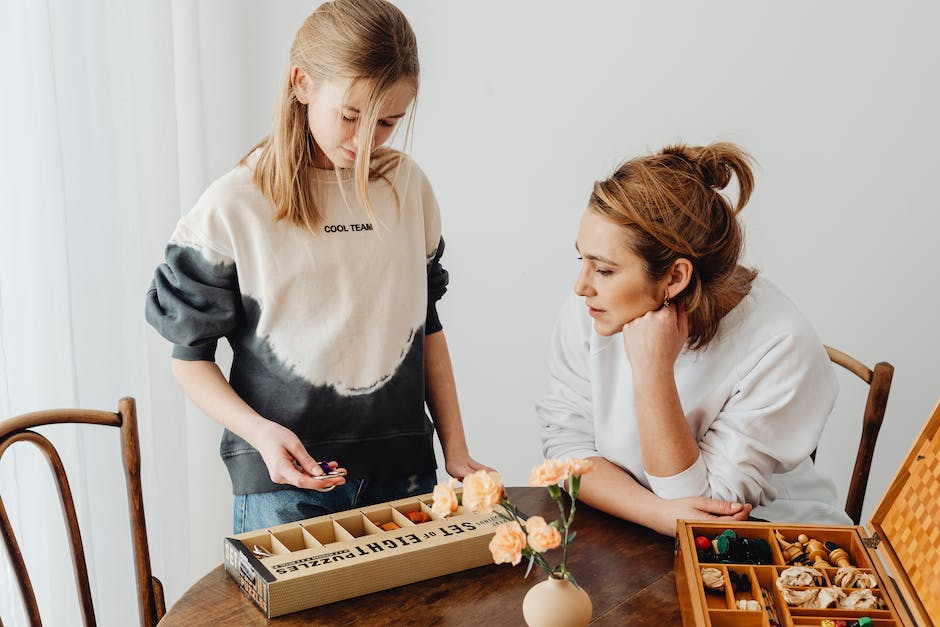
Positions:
(905, 536)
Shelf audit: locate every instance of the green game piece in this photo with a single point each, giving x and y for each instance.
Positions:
(864, 621)
(721, 543)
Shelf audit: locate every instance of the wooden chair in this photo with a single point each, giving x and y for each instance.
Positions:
(879, 381)
(18, 429)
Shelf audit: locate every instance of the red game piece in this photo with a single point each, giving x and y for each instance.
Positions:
(703, 543)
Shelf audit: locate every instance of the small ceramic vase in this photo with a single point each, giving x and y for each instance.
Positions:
(556, 603)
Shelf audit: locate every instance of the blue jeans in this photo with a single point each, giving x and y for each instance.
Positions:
(267, 509)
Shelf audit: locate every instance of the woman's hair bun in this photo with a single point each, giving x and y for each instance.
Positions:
(715, 163)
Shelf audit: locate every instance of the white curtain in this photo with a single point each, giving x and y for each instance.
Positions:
(101, 116)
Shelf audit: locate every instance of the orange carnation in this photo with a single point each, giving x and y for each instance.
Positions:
(578, 467)
(549, 473)
(507, 544)
(541, 535)
(482, 491)
(445, 499)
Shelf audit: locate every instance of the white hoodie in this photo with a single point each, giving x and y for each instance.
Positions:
(756, 400)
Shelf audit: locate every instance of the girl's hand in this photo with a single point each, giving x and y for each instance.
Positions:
(288, 462)
(698, 508)
(654, 340)
(459, 466)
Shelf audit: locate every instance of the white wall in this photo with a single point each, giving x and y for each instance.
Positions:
(524, 104)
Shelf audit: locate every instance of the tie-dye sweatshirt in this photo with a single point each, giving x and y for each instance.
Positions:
(327, 330)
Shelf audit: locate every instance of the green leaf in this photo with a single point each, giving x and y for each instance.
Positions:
(529, 568)
(572, 536)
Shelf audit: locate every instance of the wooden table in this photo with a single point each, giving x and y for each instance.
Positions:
(626, 569)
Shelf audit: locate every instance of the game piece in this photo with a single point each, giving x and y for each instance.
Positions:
(417, 517)
(828, 623)
(728, 548)
(861, 600)
(817, 554)
(830, 597)
(328, 471)
(712, 579)
(851, 577)
(770, 607)
(260, 551)
(389, 526)
(792, 551)
(749, 605)
(838, 557)
(739, 581)
(799, 576)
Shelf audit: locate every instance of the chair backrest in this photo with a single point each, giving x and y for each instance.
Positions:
(879, 382)
(18, 429)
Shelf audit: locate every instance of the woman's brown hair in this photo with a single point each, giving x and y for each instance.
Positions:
(671, 205)
(357, 39)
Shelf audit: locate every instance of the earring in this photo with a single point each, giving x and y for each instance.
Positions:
(666, 302)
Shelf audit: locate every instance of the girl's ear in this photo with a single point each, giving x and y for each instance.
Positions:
(678, 277)
(300, 83)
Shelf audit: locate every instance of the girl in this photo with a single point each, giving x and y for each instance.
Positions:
(318, 259)
(696, 386)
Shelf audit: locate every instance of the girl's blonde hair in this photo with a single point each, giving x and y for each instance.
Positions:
(358, 39)
(671, 205)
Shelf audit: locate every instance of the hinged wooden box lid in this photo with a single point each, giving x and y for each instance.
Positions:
(907, 525)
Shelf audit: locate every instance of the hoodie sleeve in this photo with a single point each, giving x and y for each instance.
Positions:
(770, 423)
(193, 299)
(565, 416)
(438, 278)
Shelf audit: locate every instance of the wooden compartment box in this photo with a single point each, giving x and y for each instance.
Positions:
(905, 537)
(330, 558)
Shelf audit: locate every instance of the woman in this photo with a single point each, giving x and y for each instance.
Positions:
(697, 387)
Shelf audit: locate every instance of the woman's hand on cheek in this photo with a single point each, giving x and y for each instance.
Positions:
(654, 340)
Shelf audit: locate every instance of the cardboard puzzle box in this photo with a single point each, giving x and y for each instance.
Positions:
(774, 574)
(320, 560)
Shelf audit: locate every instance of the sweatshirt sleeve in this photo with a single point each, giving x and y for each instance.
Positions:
(770, 423)
(193, 299)
(438, 278)
(565, 415)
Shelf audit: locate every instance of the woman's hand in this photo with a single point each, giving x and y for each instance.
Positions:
(287, 460)
(654, 340)
(460, 465)
(697, 508)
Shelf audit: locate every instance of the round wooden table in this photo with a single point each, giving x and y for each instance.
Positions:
(625, 568)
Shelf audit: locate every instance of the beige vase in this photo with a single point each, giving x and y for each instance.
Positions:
(556, 603)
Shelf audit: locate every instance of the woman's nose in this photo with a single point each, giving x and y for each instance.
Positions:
(582, 286)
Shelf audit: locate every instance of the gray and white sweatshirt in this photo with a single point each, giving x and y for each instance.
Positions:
(327, 330)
